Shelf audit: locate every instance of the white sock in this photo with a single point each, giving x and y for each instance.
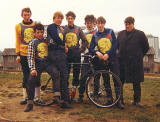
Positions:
(37, 93)
(24, 94)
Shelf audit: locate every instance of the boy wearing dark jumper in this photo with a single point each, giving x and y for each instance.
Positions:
(89, 31)
(73, 34)
(38, 62)
(106, 43)
(57, 54)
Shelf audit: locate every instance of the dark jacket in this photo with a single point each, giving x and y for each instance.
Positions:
(132, 48)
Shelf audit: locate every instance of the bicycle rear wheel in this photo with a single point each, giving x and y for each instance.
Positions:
(104, 94)
(46, 94)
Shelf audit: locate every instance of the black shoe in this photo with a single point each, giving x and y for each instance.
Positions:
(120, 105)
(28, 108)
(23, 102)
(65, 105)
(80, 100)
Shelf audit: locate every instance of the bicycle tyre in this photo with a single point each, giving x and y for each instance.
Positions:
(46, 94)
(100, 99)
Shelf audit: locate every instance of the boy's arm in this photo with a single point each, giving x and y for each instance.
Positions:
(18, 38)
(52, 31)
(92, 46)
(31, 56)
(114, 44)
(84, 40)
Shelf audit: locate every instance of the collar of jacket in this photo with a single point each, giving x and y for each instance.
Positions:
(27, 23)
(71, 27)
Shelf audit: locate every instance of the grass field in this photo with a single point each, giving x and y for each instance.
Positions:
(150, 100)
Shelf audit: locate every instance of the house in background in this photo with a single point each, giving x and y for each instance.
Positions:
(1, 60)
(9, 60)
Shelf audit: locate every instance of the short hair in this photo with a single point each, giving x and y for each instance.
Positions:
(38, 26)
(129, 20)
(71, 13)
(58, 14)
(26, 10)
(101, 20)
(89, 18)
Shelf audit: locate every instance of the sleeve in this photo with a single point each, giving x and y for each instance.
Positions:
(18, 38)
(92, 46)
(31, 56)
(84, 40)
(144, 43)
(52, 32)
(114, 44)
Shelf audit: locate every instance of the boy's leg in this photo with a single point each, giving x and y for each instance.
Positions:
(26, 73)
(82, 80)
(107, 86)
(76, 71)
(96, 84)
(30, 86)
(69, 70)
(59, 58)
(54, 73)
(37, 90)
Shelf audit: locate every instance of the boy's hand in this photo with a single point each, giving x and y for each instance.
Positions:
(66, 48)
(100, 55)
(105, 57)
(34, 72)
(18, 59)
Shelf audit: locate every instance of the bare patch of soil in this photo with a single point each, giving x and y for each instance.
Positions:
(11, 110)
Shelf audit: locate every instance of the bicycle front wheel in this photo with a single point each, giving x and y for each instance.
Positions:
(103, 88)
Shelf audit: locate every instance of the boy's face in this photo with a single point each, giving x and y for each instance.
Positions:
(26, 16)
(39, 34)
(58, 20)
(70, 20)
(100, 26)
(89, 25)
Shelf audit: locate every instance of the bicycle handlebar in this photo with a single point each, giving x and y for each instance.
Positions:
(89, 56)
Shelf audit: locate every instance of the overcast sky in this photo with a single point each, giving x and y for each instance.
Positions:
(145, 12)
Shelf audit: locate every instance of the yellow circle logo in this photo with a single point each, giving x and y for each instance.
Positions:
(28, 35)
(104, 45)
(89, 38)
(61, 36)
(71, 39)
(42, 49)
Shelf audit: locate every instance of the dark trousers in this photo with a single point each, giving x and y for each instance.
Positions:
(76, 68)
(59, 59)
(82, 82)
(25, 70)
(100, 65)
(33, 80)
(137, 91)
(113, 66)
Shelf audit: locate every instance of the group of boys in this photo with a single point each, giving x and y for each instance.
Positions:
(61, 49)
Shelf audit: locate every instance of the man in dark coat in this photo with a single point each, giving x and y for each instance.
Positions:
(133, 45)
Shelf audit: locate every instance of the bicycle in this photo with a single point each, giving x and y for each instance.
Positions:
(97, 93)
